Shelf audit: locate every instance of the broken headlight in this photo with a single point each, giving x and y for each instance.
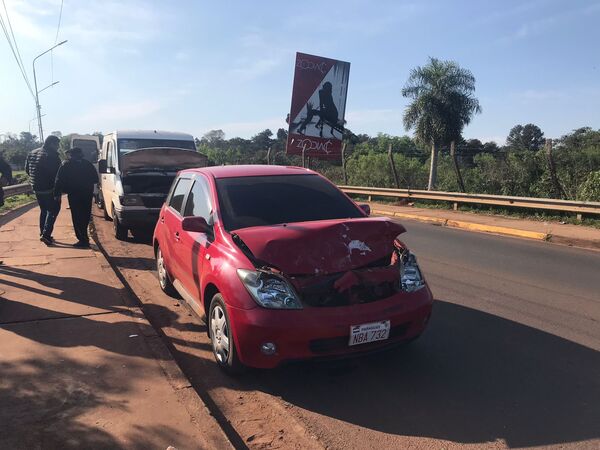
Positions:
(410, 274)
(269, 290)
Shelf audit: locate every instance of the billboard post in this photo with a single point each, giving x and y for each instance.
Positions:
(316, 120)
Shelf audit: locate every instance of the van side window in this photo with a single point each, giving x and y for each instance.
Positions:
(198, 202)
(181, 189)
(109, 155)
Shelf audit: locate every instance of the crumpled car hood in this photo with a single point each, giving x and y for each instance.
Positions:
(322, 247)
(161, 158)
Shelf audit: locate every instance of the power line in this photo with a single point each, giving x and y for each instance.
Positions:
(17, 58)
(15, 42)
(56, 39)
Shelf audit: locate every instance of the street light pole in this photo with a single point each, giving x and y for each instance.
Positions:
(37, 99)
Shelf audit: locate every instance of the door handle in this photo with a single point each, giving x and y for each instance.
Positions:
(162, 219)
(177, 235)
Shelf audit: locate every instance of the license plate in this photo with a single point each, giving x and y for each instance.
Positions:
(369, 332)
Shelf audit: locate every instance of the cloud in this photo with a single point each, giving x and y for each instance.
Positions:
(125, 111)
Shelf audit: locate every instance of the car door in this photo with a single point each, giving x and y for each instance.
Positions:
(173, 215)
(193, 245)
(108, 178)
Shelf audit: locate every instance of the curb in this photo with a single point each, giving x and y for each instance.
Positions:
(470, 226)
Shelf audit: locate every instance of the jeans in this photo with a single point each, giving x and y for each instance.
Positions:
(49, 209)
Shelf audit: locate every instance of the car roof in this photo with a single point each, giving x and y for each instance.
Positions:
(249, 171)
(153, 134)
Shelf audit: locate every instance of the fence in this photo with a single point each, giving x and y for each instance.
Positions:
(457, 198)
(17, 189)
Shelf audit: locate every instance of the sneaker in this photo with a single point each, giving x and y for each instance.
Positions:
(47, 240)
(80, 244)
(50, 238)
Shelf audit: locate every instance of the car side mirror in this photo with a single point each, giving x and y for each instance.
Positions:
(102, 168)
(366, 208)
(195, 224)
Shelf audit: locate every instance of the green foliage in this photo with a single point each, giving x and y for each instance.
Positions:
(442, 101)
(15, 149)
(525, 137)
(590, 189)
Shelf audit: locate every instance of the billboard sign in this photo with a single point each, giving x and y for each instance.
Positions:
(316, 120)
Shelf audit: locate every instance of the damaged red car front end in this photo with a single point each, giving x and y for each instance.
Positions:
(297, 269)
(359, 288)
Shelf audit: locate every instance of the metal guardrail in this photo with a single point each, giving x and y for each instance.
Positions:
(17, 189)
(549, 204)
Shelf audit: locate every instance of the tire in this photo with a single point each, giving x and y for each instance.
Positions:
(164, 280)
(105, 212)
(221, 337)
(120, 230)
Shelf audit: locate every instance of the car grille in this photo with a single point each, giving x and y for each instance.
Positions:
(153, 202)
(332, 345)
(323, 292)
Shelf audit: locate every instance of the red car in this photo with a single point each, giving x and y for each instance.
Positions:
(286, 267)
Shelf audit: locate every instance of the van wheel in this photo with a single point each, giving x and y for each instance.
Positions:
(105, 213)
(164, 280)
(221, 337)
(120, 230)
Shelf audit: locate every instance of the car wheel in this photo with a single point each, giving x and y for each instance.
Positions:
(105, 212)
(221, 337)
(164, 280)
(120, 230)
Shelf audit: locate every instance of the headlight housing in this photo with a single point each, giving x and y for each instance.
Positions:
(131, 200)
(410, 275)
(269, 290)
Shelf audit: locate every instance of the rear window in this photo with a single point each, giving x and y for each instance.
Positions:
(254, 201)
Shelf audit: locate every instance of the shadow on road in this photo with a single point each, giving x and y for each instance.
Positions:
(472, 378)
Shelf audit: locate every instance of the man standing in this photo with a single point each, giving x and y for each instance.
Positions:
(41, 166)
(5, 177)
(76, 177)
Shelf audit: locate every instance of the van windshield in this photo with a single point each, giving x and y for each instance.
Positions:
(128, 145)
(269, 200)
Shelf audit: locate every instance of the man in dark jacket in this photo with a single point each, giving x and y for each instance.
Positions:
(41, 166)
(5, 177)
(77, 177)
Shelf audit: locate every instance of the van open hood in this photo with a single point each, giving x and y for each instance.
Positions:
(322, 247)
(165, 158)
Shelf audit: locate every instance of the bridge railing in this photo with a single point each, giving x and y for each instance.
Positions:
(549, 204)
(17, 189)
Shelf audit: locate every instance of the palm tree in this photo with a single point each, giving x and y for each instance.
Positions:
(442, 104)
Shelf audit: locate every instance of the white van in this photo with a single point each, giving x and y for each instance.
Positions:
(136, 171)
(89, 144)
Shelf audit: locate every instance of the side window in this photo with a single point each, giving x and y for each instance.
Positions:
(182, 188)
(109, 155)
(198, 202)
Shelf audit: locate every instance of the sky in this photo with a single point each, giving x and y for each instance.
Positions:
(194, 66)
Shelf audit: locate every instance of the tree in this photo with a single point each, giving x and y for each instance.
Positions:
(214, 136)
(525, 137)
(442, 104)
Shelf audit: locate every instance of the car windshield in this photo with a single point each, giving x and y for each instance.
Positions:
(269, 200)
(128, 145)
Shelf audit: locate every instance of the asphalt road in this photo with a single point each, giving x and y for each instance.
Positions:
(511, 357)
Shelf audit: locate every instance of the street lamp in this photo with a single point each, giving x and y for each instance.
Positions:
(37, 100)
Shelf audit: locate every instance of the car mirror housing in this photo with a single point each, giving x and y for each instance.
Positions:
(195, 224)
(366, 208)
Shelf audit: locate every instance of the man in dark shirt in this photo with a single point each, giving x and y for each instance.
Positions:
(76, 178)
(5, 177)
(41, 166)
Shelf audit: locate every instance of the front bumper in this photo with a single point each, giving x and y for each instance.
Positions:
(137, 216)
(317, 332)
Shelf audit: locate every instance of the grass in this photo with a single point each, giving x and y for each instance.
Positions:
(15, 201)
(511, 213)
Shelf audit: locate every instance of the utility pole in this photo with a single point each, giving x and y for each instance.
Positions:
(393, 166)
(558, 189)
(37, 99)
(344, 164)
(459, 177)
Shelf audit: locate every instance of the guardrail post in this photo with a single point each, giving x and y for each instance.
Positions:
(455, 206)
(579, 217)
